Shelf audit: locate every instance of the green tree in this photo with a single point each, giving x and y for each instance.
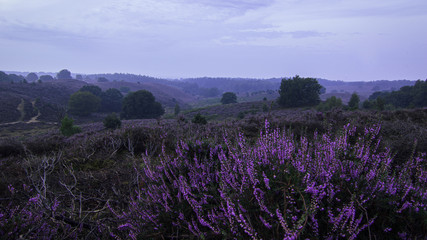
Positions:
(354, 101)
(420, 93)
(367, 104)
(124, 89)
(406, 97)
(4, 77)
(112, 121)
(83, 103)
(68, 128)
(380, 103)
(46, 78)
(32, 77)
(299, 92)
(111, 100)
(16, 78)
(228, 97)
(329, 104)
(177, 109)
(95, 90)
(64, 74)
(141, 104)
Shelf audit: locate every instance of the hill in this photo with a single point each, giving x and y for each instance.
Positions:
(47, 101)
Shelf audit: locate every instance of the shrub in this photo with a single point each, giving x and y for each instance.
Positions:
(199, 119)
(241, 115)
(264, 107)
(228, 98)
(329, 188)
(68, 128)
(177, 109)
(112, 121)
(329, 104)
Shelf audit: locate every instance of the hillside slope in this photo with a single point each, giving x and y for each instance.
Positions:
(24, 101)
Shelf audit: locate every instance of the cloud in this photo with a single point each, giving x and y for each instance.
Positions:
(167, 34)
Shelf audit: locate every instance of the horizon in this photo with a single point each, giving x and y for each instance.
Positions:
(184, 78)
(260, 39)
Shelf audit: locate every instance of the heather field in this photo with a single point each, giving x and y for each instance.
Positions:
(285, 174)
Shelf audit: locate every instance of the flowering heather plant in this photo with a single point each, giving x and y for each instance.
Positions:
(34, 219)
(341, 187)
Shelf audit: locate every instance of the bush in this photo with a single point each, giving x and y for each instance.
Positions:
(177, 109)
(199, 119)
(228, 98)
(68, 128)
(339, 187)
(329, 104)
(112, 121)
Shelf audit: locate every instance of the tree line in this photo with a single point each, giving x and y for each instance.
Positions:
(305, 92)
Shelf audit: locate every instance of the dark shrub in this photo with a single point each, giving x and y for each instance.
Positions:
(199, 119)
(68, 128)
(112, 121)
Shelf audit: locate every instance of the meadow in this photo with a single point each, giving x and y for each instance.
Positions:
(281, 174)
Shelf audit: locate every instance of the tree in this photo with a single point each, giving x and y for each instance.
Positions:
(177, 109)
(141, 104)
(79, 77)
(95, 90)
(420, 93)
(46, 78)
(68, 128)
(368, 104)
(329, 104)
(4, 77)
(32, 77)
(124, 89)
(228, 97)
(380, 104)
(405, 97)
(16, 78)
(299, 92)
(354, 101)
(112, 121)
(64, 74)
(111, 100)
(83, 103)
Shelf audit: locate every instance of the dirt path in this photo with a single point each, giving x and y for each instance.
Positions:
(20, 108)
(34, 119)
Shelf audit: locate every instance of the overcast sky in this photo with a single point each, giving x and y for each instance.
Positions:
(335, 39)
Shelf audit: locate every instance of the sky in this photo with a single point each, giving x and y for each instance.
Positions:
(347, 40)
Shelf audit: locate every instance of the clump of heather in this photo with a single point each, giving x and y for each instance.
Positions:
(33, 219)
(341, 187)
